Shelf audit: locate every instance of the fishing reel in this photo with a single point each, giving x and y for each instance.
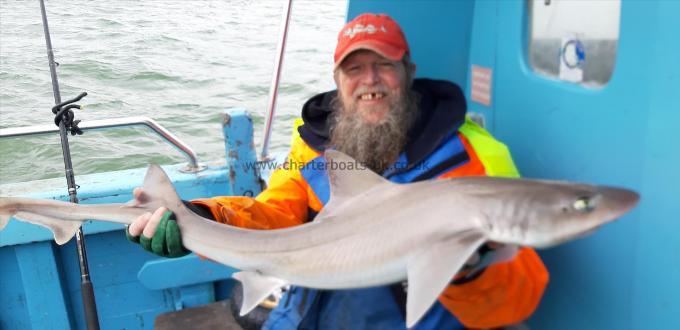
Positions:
(63, 112)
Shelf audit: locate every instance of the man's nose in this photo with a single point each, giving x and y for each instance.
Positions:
(370, 76)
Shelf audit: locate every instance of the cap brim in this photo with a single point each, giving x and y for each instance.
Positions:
(384, 49)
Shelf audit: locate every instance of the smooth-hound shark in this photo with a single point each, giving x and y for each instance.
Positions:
(371, 232)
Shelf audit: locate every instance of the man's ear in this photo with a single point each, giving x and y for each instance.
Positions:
(411, 73)
(335, 76)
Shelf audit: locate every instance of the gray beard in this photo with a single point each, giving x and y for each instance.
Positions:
(375, 146)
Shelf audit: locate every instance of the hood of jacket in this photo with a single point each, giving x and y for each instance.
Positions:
(442, 111)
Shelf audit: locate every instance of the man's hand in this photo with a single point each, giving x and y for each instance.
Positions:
(156, 232)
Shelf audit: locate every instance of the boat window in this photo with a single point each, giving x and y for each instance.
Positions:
(574, 41)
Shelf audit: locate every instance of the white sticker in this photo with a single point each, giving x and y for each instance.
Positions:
(480, 90)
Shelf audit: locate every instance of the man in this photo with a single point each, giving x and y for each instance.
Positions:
(406, 129)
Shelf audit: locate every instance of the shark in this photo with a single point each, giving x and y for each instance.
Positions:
(371, 232)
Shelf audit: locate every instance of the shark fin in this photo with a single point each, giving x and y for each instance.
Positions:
(158, 187)
(432, 269)
(62, 230)
(348, 178)
(256, 288)
(4, 219)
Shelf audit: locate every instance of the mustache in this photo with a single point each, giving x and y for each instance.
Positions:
(366, 90)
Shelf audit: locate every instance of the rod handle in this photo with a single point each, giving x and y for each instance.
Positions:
(89, 305)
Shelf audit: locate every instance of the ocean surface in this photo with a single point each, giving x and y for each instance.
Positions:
(181, 63)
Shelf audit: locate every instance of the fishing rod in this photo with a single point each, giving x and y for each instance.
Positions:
(64, 118)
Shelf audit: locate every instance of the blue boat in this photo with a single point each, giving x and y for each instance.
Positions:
(600, 109)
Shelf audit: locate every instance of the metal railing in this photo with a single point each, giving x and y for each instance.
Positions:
(189, 153)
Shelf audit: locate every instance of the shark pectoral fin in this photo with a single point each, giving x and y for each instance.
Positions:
(431, 269)
(63, 230)
(256, 288)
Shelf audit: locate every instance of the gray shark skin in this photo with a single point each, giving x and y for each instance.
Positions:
(371, 232)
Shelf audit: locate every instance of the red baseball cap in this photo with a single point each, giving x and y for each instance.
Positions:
(376, 32)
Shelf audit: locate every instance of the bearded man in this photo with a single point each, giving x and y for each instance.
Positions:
(405, 129)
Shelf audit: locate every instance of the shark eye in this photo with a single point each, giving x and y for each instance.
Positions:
(584, 204)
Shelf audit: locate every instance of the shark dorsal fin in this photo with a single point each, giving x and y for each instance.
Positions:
(159, 189)
(347, 177)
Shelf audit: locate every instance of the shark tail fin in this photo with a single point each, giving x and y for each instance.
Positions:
(62, 229)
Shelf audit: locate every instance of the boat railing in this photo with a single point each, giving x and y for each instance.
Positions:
(192, 167)
(274, 87)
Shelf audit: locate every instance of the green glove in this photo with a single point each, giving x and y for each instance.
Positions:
(166, 242)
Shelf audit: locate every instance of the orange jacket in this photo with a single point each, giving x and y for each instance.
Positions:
(503, 294)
